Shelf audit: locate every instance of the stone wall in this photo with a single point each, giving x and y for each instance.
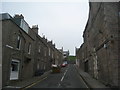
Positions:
(101, 39)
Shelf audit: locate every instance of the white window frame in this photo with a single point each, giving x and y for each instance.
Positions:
(39, 49)
(49, 52)
(12, 73)
(18, 47)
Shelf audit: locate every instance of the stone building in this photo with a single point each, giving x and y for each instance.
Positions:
(17, 52)
(99, 54)
(51, 52)
(42, 54)
(58, 57)
(79, 56)
(40, 50)
(65, 55)
(24, 52)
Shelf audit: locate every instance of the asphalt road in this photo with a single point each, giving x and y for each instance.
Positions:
(68, 78)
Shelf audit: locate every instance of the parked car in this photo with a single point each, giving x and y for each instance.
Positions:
(56, 69)
(64, 64)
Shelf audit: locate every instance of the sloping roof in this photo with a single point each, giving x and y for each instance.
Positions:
(4, 16)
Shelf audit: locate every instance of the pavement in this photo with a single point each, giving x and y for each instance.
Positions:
(27, 82)
(91, 82)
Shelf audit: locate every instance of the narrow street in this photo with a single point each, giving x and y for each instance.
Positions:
(68, 78)
(60, 44)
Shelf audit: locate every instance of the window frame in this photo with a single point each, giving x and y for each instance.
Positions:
(18, 69)
(29, 48)
(39, 48)
(18, 42)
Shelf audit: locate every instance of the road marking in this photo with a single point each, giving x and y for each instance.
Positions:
(34, 83)
(59, 85)
(63, 77)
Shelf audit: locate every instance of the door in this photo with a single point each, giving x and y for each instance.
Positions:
(86, 66)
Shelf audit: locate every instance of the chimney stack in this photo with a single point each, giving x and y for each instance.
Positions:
(35, 28)
(54, 45)
(19, 16)
(51, 42)
(46, 39)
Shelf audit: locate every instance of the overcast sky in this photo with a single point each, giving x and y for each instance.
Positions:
(62, 22)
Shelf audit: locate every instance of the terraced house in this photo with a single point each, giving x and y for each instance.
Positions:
(99, 54)
(24, 51)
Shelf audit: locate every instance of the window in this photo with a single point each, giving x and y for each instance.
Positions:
(14, 69)
(45, 52)
(18, 42)
(49, 51)
(44, 67)
(38, 66)
(24, 25)
(39, 49)
(52, 55)
(29, 48)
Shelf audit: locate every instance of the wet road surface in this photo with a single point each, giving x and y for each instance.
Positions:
(68, 78)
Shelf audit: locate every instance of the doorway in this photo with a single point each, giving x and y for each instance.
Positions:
(86, 66)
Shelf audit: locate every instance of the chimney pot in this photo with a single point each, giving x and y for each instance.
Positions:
(35, 28)
(19, 16)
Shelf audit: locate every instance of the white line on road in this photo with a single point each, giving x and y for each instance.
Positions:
(63, 77)
(59, 85)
